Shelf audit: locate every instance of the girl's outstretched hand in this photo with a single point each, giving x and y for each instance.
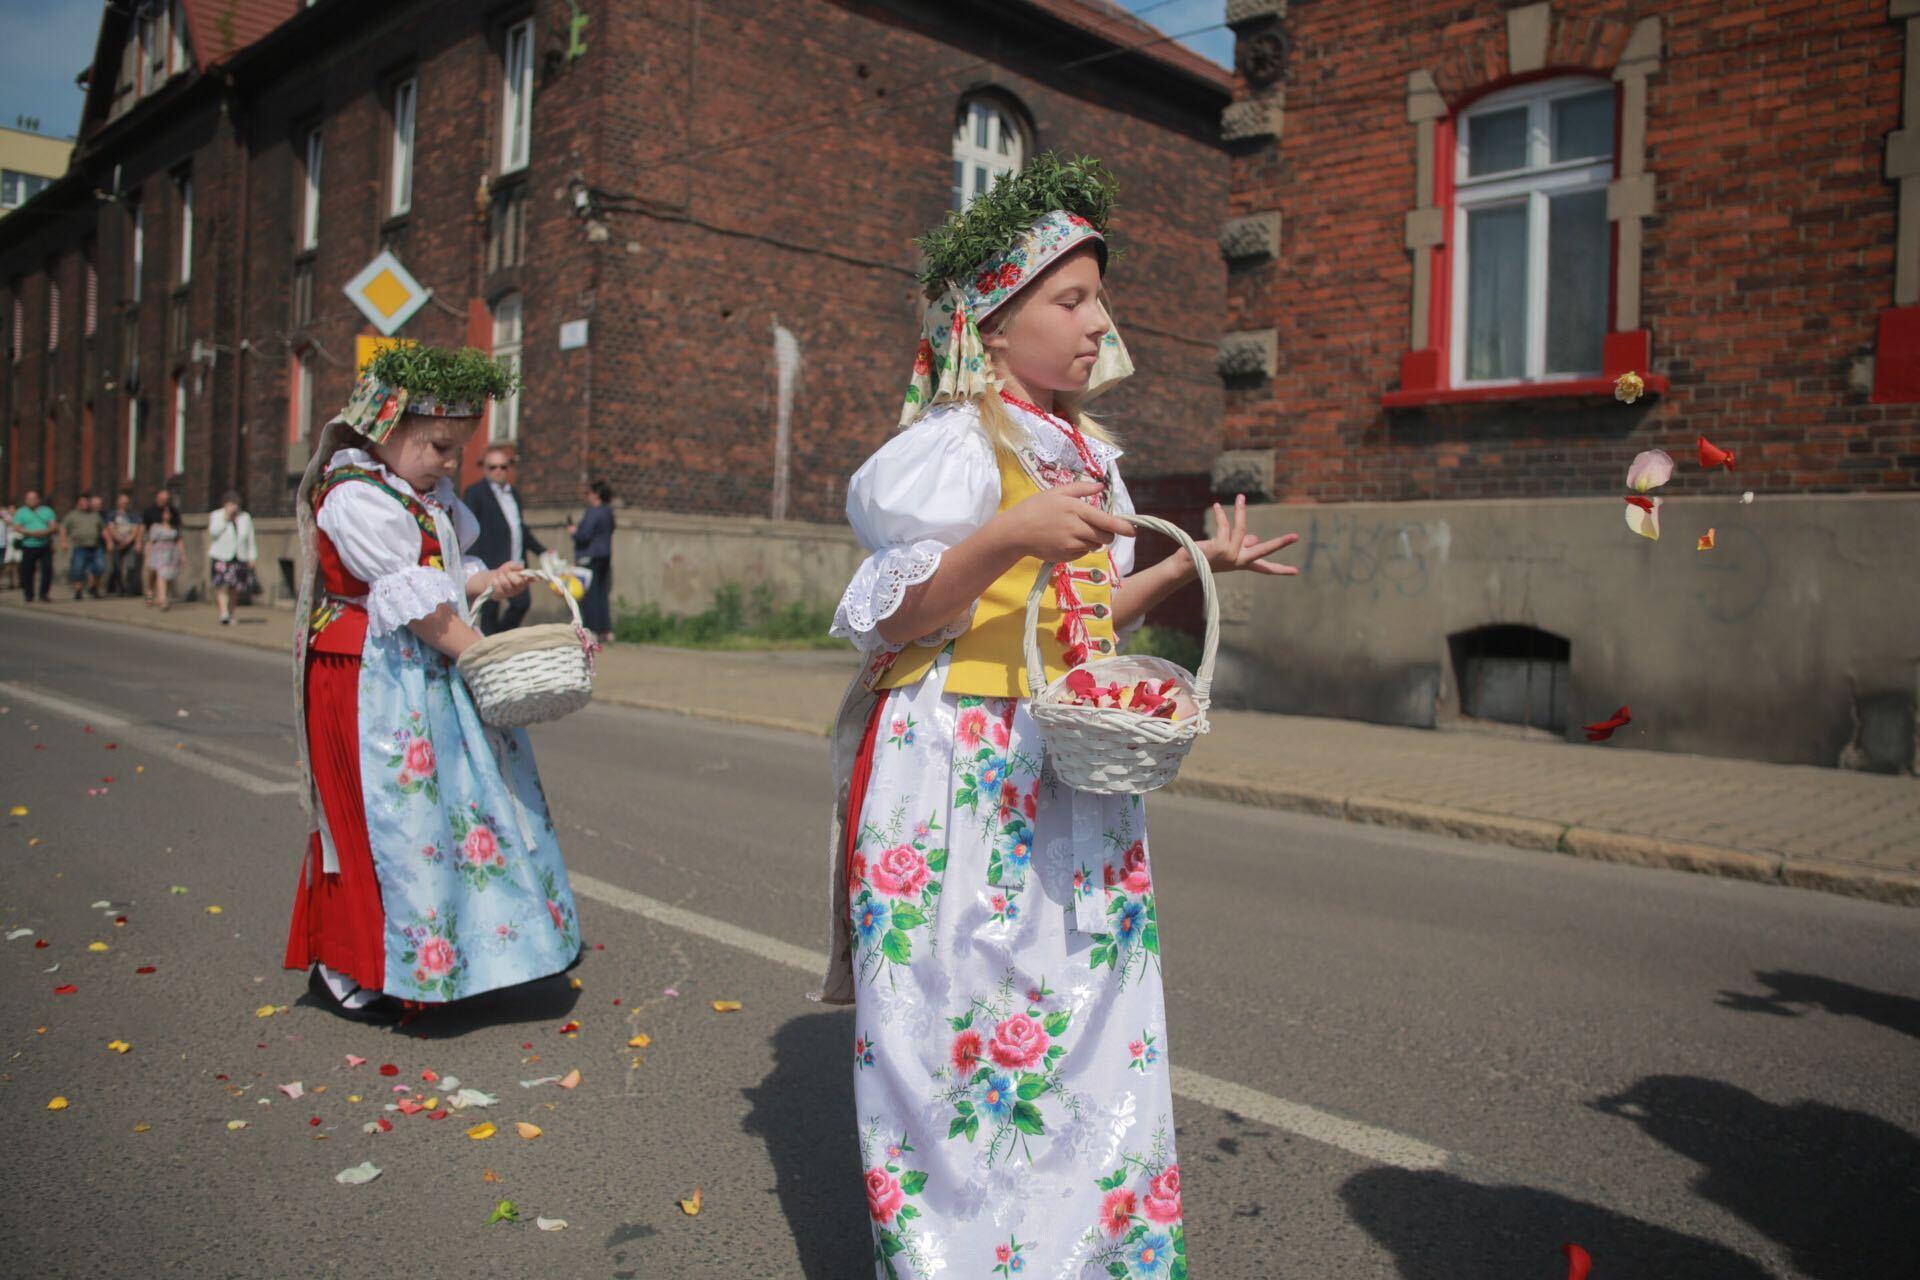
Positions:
(1061, 524)
(1232, 547)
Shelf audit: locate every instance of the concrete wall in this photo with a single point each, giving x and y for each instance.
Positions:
(1806, 616)
(1797, 639)
(676, 562)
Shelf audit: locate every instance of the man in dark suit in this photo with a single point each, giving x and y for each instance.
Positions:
(503, 536)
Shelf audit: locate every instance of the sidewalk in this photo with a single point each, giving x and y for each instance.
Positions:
(1848, 833)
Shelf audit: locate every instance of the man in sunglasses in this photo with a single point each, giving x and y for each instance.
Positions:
(503, 536)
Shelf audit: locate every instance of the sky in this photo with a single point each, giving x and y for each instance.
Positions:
(45, 43)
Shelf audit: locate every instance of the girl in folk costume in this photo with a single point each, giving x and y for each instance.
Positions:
(432, 872)
(995, 928)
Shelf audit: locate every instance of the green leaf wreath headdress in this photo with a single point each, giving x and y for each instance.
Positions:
(980, 257)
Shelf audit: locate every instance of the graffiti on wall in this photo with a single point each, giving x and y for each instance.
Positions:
(1375, 555)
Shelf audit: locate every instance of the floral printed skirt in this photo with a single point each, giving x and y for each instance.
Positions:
(447, 818)
(1010, 1060)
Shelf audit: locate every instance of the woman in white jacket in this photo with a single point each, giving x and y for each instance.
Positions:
(231, 548)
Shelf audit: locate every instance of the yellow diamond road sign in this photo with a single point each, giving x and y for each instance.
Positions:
(385, 293)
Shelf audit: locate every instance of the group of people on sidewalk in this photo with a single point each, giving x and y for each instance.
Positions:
(116, 552)
(993, 926)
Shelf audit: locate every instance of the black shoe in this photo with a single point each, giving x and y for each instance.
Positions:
(381, 1009)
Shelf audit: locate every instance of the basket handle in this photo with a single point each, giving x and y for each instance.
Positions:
(573, 607)
(1203, 678)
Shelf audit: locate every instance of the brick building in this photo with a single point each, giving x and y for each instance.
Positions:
(689, 221)
(1452, 226)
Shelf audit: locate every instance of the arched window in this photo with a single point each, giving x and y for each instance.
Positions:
(507, 332)
(1533, 245)
(988, 144)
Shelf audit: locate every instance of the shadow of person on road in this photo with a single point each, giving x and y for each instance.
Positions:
(1789, 991)
(1442, 1227)
(545, 1000)
(1839, 1189)
(803, 1111)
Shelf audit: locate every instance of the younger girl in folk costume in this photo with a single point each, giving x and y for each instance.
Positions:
(433, 872)
(996, 928)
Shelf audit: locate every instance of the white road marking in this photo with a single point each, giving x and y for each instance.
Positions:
(1375, 1145)
(161, 744)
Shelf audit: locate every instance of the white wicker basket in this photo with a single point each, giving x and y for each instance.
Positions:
(1111, 750)
(530, 674)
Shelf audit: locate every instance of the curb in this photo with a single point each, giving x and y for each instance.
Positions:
(1844, 879)
(1848, 880)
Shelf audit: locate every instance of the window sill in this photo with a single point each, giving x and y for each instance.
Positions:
(1572, 389)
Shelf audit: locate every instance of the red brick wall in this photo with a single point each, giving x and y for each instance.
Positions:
(1766, 263)
(681, 268)
(813, 231)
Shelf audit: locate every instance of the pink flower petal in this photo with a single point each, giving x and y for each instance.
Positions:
(1650, 470)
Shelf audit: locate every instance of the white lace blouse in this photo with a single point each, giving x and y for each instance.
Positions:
(379, 544)
(925, 491)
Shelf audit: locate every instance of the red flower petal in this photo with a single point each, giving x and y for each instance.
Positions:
(1578, 1261)
(441, 1114)
(1603, 730)
(67, 990)
(39, 944)
(388, 1069)
(1635, 500)
(1711, 455)
(145, 968)
(313, 1122)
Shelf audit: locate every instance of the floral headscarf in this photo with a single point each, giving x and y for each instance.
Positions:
(952, 362)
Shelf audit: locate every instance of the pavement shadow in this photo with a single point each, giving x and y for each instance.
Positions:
(546, 1000)
(1839, 1189)
(1443, 1227)
(1790, 995)
(803, 1111)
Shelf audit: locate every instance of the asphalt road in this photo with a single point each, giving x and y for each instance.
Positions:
(1399, 1055)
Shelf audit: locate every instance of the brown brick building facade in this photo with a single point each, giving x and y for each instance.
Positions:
(1452, 226)
(702, 183)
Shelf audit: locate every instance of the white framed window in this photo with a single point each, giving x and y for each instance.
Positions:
(177, 41)
(310, 192)
(1532, 248)
(186, 228)
(509, 328)
(53, 315)
(516, 124)
(139, 254)
(988, 145)
(400, 178)
(179, 425)
(153, 47)
(133, 436)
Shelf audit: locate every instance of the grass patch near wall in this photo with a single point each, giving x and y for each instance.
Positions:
(737, 619)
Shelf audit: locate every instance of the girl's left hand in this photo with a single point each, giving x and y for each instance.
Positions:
(1232, 547)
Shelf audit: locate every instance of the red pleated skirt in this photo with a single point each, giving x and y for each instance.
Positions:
(338, 920)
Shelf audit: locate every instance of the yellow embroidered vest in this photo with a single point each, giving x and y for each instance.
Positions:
(989, 660)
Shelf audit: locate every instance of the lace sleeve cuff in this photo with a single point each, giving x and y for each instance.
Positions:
(877, 589)
(407, 596)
